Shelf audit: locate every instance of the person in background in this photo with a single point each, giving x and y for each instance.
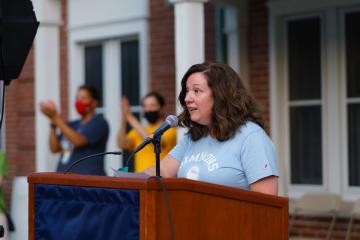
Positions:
(153, 105)
(225, 143)
(82, 137)
(3, 174)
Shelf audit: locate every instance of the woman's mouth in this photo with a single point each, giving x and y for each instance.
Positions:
(191, 109)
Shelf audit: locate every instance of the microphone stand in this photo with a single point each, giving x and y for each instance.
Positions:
(157, 151)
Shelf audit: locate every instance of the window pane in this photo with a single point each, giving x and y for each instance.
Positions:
(94, 69)
(354, 143)
(306, 145)
(130, 86)
(220, 35)
(352, 22)
(304, 55)
(130, 71)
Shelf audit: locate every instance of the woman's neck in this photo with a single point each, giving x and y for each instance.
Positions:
(86, 117)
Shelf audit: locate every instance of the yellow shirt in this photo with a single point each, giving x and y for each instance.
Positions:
(146, 157)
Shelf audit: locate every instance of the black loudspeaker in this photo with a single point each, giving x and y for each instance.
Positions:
(18, 26)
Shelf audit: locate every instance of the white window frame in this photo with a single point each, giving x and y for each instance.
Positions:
(110, 35)
(299, 187)
(333, 93)
(350, 192)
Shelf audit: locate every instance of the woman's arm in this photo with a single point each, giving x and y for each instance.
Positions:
(123, 141)
(268, 185)
(73, 136)
(54, 142)
(168, 168)
(49, 110)
(135, 124)
(131, 119)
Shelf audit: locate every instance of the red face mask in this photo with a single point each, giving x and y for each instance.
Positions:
(82, 107)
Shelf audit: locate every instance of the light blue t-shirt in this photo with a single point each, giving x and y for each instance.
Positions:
(238, 162)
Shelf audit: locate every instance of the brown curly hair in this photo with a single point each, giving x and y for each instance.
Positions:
(233, 104)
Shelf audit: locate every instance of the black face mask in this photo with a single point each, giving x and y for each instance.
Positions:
(152, 117)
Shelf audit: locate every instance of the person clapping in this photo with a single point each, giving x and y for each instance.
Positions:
(153, 106)
(82, 137)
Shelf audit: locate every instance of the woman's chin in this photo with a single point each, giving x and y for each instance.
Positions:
(202, 123)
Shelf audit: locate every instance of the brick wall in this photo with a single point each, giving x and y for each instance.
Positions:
(19, 121)
(162, 48)
(210, 52)
(258, 56)
(317, 227)
(19, 124)
(63, 61)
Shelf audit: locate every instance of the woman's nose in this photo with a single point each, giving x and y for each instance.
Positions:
(188, 97)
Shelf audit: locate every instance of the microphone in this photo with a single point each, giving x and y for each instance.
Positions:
(170, 122)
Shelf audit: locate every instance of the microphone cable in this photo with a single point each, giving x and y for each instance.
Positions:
(170, 122)
(144, 144)
(167, 205)
(90, 156)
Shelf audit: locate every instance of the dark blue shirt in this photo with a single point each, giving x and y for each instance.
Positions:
(96, 131)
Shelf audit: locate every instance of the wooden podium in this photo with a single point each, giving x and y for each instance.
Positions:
(197, 210)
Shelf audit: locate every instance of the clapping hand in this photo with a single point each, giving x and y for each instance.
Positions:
(48, 108)
(125, 106)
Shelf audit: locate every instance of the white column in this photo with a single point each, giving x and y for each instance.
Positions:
(111, 84)
(332, 165)
(278, 125)
(189, 36)
(47, 75)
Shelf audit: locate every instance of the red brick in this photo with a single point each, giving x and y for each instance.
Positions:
(19, 124)
(63, 61)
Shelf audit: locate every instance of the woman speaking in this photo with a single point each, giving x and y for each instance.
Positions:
(225, 142)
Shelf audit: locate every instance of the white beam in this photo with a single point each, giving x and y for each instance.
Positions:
(189, 36)
(47, 75)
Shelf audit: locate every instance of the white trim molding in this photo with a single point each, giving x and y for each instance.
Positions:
(47, 75)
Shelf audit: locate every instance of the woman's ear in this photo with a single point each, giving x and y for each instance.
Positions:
(94, 104)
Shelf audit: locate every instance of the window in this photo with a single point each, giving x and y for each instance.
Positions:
(231, 36)
(304, 68)
(97, 55)
(94, 69)
(352, 38)
(130, 84)
(113, 67)
(315, 95)
(221, 36)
